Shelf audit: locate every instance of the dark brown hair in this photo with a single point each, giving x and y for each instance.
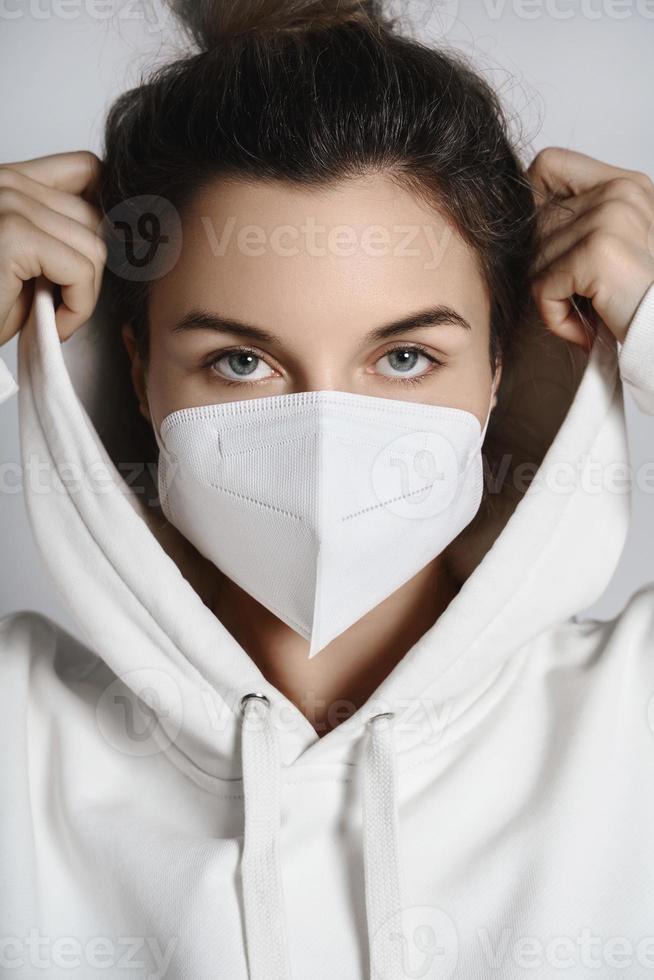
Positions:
(311, 92)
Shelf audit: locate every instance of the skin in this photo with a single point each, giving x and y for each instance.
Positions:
(597, 241)
(320, 307)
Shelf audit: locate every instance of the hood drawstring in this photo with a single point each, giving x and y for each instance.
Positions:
(263, 899)
(265, 924)
(381, 857)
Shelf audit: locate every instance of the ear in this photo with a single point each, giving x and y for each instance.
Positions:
(138, 372)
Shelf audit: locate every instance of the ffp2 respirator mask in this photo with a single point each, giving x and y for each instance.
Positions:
(320, 504)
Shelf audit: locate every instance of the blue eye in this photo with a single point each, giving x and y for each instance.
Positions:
(244, 364)
(406, 361)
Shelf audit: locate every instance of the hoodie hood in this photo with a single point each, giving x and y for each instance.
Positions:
(531, 559)
(534, 558)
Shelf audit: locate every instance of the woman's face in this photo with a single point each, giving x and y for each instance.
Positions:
(360, 288)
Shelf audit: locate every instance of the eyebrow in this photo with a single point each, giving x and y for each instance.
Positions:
(432, 316)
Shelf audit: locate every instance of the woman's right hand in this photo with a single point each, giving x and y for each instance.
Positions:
(49, 225)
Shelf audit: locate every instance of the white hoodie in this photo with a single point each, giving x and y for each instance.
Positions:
(499, 824)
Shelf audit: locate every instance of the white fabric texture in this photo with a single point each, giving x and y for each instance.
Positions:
(167, 812)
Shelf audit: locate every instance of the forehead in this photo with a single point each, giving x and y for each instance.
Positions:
(362, 250)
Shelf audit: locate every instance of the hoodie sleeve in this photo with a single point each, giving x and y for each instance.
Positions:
(636, 354)
(8, 386)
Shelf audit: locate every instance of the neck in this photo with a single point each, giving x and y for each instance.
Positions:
(331, 686)
(338, 680)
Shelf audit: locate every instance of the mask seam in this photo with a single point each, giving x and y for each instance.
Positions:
(285, 412)
(385, 503)
(259, 503)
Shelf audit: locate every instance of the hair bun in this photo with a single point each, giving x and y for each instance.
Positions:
(210, 22)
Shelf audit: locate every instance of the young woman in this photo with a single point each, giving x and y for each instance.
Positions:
(335, 715)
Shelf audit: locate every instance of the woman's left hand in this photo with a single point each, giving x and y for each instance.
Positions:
(597, 241)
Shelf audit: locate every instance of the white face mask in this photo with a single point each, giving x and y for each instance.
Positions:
(320, 504)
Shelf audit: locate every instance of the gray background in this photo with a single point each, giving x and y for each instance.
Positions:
(575, 73)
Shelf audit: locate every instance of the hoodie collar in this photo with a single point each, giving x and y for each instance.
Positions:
(144, 620)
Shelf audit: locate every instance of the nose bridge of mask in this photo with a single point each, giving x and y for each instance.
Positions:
(259, 423)
(262, 423)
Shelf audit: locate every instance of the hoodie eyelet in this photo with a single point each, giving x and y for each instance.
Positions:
(254, 694)
(382, 714)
